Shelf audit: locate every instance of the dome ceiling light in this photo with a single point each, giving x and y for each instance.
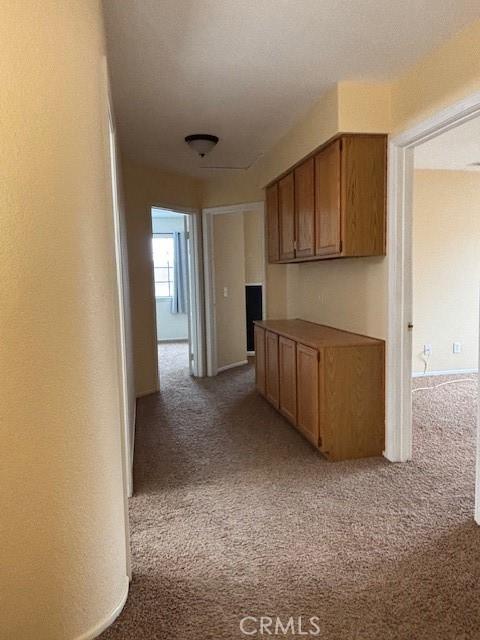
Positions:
(202, 143)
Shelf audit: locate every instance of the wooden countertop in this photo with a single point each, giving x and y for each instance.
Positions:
(315, 335)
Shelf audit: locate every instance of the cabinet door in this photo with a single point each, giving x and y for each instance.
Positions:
(271, 384)
(288, 378)
(286, 209)
(308, 393)
(327, 200)
(364, 173)
(305, 209)
(260, 359)
(273, 241)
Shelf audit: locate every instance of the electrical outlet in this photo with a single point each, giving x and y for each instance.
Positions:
(457, 347)
(427, 349)
(225, 292)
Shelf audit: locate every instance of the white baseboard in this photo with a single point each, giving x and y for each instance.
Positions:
(250, 353)
(110, 619)
(232, 366)
(448, 372)
(147, 393)
(392, 457)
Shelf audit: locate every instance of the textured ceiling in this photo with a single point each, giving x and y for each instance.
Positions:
(247, 70)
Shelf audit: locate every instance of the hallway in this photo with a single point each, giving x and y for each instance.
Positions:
(234, 514)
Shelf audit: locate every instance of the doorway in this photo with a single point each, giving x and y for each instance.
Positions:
(176, 262)
(445, 297)
(235, 282)
(401, 330)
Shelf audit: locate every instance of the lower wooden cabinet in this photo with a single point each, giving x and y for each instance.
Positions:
(287, 378)
(308, 392)
(260, 359)
(271, 368)
(329, 384)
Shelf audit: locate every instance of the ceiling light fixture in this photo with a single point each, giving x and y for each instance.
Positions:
(202, 143)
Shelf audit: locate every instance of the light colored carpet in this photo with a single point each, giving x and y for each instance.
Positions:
(172, 360)
(235, 514)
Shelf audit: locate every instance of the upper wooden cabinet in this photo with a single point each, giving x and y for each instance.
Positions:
(331, 205)
(273, 242)
(304, 185)
(286, 217)
(327, 200)
(363, 194)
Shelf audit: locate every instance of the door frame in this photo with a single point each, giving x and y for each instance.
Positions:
(127, 412)
(264, 311)
(398, 437)
(196, 298)
(209, 273)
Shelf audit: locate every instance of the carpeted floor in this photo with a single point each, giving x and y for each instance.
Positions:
(235, 515)
(172, 358)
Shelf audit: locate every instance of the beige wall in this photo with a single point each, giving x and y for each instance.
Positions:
(447, 74)
(277, 282)
(229, 261)
(145, 187)
(236, 263)
(254, 235)
(62, 537)
(349, 294)
(446, 268)
(364, 107)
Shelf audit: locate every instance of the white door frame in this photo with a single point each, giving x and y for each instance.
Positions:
(209, 271)
(125, 410)
(196, 300)
(398, 440)
(264, 308)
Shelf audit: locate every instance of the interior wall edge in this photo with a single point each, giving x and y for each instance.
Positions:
(109, 619)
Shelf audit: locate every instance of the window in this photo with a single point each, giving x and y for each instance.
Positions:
(163, 258)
